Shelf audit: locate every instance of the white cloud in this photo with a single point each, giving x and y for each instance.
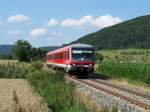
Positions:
(59, 34)
(53, 22)
(100, 22)
(17, 18)
(105, 21)
(14, 32)
(74, 22)
(37, 32)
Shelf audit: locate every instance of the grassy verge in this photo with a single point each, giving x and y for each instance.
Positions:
(51, 86)
(138, 73)
(56, 92)
(59, 96)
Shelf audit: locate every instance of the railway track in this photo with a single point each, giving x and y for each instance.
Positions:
(139, 99)
(142, 100)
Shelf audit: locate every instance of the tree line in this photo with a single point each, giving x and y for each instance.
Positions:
(22, 50)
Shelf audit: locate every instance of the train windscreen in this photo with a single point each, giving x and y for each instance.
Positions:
(82, 54)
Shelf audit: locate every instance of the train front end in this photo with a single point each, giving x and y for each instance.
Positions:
(82, 58)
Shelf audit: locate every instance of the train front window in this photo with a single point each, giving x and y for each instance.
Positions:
(82, 54)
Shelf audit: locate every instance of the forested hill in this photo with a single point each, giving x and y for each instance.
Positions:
(133, 33)
(50, 48)
(5, 49)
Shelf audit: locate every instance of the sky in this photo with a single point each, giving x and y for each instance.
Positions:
(57, 22)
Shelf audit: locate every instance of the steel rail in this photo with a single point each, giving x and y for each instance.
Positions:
(131, 100)
(123, 89)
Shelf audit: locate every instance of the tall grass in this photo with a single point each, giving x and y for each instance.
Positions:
(56, 92)
(133, 72)
(51, 86)
(12, 70)
(58, 95)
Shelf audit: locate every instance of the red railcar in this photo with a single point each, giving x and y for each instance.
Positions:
(75, 57)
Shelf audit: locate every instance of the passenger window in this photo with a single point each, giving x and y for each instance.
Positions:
(67, 55)
(64, 55)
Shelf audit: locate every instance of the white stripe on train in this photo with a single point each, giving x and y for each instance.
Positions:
(56, 64)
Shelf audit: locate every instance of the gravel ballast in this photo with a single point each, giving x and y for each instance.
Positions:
(104, 99)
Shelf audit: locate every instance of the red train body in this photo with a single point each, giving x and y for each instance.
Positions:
(76, 57)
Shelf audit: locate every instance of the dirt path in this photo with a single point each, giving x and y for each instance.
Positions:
(16, 95)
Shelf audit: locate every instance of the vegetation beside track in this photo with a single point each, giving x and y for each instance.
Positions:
(135, 73)
(13, 70)
(51, 86)
(58, 95)
(56, 92)
(129, 65)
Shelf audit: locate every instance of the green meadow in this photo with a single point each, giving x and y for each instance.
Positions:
(129, 64)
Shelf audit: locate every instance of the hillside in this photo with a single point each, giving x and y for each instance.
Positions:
(129, 34)
(5, 49)
(49, 48)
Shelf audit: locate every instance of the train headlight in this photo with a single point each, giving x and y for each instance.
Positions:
(90, 64)
(69, 66)
(73, 64)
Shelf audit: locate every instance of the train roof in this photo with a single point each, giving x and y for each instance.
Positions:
(80, 45)
(72, 46)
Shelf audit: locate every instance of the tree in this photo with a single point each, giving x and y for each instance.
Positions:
(38, 54)
(22, 50)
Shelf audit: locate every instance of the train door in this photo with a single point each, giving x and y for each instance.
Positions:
(66, 57)
(66, 60)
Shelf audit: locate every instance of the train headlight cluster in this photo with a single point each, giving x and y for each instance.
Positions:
(69, 66)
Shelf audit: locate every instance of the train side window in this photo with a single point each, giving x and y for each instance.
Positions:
(67, 54)
(61, 55)
(57, 56)
(64, 55)
(48, 57)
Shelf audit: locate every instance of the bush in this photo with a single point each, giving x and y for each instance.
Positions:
(37, 65)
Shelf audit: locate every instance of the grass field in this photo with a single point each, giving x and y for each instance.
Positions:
(16, 95)
(8, 61)
(13, 70)
(127, 55)
(133, 72)
(126, 66)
